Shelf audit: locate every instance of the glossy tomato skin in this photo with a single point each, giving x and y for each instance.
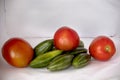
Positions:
(102, 48)
(17, 52)
(66, 38)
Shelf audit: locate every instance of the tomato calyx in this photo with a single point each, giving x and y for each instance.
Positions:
(108, 48)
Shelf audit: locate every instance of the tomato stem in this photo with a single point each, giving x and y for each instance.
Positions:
(107, 48)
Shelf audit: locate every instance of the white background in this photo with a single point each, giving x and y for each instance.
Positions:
(41, 18)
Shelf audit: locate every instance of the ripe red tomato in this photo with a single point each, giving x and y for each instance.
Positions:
(17, 52)
(102, 48)
(66, 38)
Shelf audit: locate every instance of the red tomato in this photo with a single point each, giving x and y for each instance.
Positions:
(102, 48)
(17, 52)
(66, 38)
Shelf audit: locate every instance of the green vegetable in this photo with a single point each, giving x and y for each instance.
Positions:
(43, 47)
(60, 62)
(81, 44)
(78, 50)
(44, 59)
(81, 60)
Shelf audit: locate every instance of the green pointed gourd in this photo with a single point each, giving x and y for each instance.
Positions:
(60, 62)
(81, 44)
(43, 47)
(44, 59)
(81, 60)
(78, 50)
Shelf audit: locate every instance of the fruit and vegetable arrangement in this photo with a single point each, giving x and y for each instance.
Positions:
(64, 50)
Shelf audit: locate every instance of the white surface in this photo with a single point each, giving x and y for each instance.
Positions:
(35, 19)
(96, 70)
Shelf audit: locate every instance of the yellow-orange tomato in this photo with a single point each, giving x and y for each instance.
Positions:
(17, 52)
(66, 39)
